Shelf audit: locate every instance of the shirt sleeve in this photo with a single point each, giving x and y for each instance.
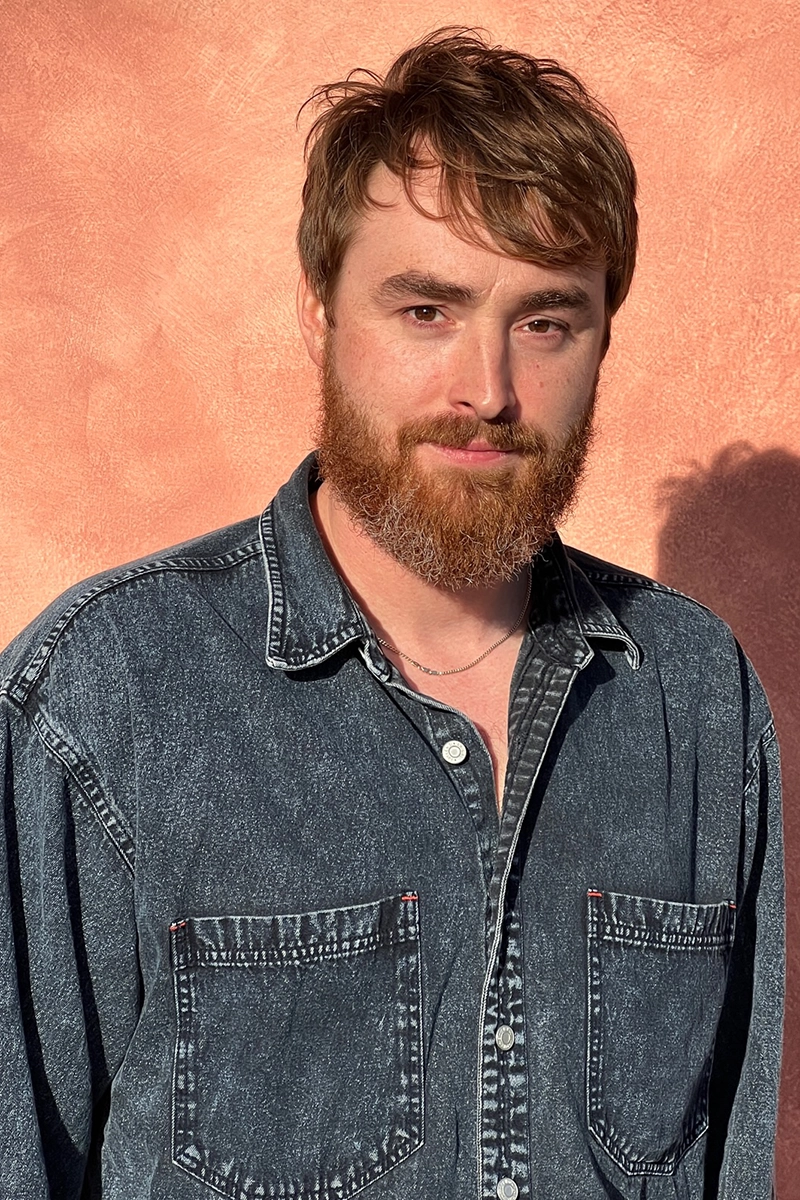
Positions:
(744, 1084)
(69, 977)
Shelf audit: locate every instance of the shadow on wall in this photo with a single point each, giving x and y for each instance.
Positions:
(731, 539)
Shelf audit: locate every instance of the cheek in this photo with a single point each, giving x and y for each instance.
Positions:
(554, 393)
(374, 366)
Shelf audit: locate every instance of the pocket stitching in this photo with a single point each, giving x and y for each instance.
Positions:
(600, 930)
(403, 1140)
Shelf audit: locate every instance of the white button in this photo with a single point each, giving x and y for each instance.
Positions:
(504, 1037)
(454, 752)
(507, 1189)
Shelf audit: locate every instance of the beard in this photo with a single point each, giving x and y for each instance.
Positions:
(452, 526)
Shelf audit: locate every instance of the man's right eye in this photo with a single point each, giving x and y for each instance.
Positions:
(424, 313)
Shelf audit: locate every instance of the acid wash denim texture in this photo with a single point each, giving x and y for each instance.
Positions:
(269, 939)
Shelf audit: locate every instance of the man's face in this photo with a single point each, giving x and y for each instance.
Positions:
(458, 387)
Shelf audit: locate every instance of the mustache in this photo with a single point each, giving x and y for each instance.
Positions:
(460, 431)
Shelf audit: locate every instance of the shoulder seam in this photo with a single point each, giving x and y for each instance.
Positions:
(764, 739)
(87, 783)
(19, 688)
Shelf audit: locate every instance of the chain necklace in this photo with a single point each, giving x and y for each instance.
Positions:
(481, 657)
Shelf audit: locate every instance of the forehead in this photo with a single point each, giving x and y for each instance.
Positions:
(394, 236)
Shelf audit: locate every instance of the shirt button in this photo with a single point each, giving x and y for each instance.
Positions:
(504, 1037)
(507, 1190)
(454, 752)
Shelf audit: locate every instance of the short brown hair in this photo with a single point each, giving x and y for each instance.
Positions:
(524, 152)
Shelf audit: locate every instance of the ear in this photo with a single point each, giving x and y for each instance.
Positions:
(312, 320)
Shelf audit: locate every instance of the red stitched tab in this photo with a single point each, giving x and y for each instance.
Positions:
(410, 896)
(177, 925)
(731, 905)
(593, 893)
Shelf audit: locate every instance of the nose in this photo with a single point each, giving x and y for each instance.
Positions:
(481, 378)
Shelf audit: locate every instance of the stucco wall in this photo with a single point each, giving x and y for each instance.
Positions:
(153, 384)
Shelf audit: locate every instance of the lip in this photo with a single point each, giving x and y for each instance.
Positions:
(476, 453)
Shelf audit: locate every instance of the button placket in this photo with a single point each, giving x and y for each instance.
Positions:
(505, 1074)
(472, 778)
(504, 1152)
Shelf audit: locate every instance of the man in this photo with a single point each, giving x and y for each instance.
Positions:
(382, 845)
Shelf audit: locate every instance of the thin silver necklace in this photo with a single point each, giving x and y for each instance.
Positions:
(481, 657)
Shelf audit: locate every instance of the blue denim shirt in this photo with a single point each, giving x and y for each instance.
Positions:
(266, 935)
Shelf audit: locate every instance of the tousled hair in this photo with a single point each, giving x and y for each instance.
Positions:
(528, 160)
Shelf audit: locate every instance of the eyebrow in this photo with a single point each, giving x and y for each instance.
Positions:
(430, 287)
(557, 298)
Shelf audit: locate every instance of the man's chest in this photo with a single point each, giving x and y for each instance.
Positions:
(482, 695)
(332, 934)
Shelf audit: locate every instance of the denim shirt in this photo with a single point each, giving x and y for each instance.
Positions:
(267, 937)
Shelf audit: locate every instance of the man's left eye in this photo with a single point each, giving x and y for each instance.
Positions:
(426, 313)
(544, 325)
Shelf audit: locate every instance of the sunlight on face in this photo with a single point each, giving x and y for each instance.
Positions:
(458, 391)
(451, 525)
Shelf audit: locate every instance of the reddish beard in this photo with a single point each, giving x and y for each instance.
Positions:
(452, 526)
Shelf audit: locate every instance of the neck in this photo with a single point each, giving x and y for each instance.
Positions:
(435, 626)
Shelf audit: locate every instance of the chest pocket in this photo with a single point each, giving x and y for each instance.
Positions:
(657, 972)
(298, 1061)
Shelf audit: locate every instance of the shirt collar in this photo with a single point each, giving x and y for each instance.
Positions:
(577, 605)
(312, 615)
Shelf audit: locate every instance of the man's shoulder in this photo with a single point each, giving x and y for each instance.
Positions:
(660, 619)
(628, 591)
(137, 593)
(689, 648)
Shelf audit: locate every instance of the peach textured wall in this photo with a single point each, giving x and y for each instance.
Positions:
(153, 382)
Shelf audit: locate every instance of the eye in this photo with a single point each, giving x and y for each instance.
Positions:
(424, 313)
(544, 325)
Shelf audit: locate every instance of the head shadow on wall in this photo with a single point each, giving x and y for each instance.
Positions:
(731, 539)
